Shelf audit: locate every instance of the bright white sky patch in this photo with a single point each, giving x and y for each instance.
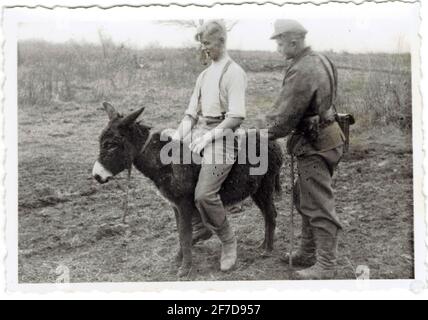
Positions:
(388, 27)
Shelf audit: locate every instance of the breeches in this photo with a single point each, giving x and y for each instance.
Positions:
(218, 160)
(313, 192)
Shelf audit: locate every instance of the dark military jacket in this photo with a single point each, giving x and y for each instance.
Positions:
(308, 90)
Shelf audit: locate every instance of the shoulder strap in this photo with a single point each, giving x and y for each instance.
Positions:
(226, 67)
(200, 89)
(332, 75)
(200, 84)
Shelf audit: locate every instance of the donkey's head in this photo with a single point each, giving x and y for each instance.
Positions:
(120, 142)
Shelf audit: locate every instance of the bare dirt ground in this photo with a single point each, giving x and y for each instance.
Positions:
(66, 218)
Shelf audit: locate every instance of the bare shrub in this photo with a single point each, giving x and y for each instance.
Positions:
(57, 71)
(379, 93)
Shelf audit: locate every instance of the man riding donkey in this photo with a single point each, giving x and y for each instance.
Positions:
(305, 111)
(216, 110)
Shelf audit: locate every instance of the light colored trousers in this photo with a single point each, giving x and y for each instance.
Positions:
(218, 160)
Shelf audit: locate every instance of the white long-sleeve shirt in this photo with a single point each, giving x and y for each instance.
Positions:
(209, 89)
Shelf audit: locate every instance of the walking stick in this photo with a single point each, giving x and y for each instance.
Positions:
(126, 200)
(292, 213)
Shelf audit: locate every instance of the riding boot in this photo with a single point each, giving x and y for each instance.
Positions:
(229, 246)
(326, 251)
(200, 232)
(305, 256)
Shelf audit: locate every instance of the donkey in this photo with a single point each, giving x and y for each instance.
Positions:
(126, 142)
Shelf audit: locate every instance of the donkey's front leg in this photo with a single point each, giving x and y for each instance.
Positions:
(179, 254)
(185, 233)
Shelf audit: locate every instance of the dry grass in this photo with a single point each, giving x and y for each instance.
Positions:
(376, 88)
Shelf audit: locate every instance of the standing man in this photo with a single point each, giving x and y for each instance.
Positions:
(305, 111)
(216, 110)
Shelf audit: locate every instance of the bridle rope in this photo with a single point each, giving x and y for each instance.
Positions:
(128, 180)
(291, 249)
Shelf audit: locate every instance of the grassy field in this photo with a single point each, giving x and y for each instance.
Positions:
(66, 218)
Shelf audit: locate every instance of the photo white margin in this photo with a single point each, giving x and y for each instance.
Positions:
(11, 181)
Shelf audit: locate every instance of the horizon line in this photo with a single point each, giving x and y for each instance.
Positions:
(158, 46)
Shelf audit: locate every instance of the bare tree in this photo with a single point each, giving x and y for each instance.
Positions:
(188, 24)
(231, 24)
(194, 24)
(105, 41)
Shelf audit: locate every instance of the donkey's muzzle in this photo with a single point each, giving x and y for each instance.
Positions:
(101, 180)
(100, 173)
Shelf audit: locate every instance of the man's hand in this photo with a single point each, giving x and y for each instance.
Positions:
(183, 130)
(199, 144)
(170, 134)
(176, 136)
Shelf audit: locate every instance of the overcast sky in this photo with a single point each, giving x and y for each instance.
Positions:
(390, 27)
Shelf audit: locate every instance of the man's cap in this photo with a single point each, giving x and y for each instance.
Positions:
(288, 26)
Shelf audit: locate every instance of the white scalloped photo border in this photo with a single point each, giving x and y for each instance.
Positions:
(15, 12)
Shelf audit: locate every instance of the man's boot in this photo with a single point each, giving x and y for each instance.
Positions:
(229, 247)
(326, 265)
(305, 256)
(200, 232)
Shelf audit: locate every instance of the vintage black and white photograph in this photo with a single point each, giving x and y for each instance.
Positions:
(255, 144)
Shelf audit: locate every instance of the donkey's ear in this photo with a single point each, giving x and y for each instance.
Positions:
(128, 120)
(111, 111)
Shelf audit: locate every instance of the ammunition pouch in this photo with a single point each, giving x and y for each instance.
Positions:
(330, 137)
(318, 137)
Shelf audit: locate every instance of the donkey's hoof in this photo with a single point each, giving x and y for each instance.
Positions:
(265, 246)
(262, 246)
(266, 254)
(265, 249)
(184, 271)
